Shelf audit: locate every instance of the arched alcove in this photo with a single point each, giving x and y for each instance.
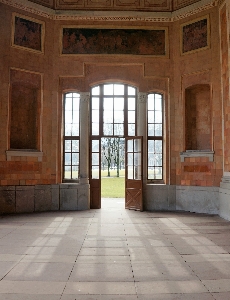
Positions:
(198, 117)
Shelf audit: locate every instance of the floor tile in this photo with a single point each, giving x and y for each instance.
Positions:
(170, 287)
(114, 253)
(100, 288)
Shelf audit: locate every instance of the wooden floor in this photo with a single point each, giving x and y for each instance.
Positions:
(114, 253)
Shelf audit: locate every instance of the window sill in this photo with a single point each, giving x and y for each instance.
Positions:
(27, 153)
(197, 153)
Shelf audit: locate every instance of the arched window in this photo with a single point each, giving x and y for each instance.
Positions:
(155, 136)
(71, 136)
(113, 110)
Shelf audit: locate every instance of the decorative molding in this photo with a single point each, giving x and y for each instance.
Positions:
(84, 97)
(27, 153)
(220, 2)
(142, 97)
(179, 16)
(120, 16)
(197, 153)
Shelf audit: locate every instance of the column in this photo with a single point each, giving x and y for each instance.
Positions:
(141, 126)
(84, 138)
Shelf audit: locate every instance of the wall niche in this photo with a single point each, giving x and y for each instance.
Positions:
(198, 118)
(25, 107)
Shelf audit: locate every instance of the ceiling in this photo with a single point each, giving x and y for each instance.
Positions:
(117, 5)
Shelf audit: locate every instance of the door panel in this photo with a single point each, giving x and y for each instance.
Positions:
(133, 173)
(95, 174)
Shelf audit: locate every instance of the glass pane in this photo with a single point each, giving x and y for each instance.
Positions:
(137, 159)
(76, 117)
(95, 90)
(68, 128)
(131, 103)
(95, 145)
(108, 89)
(67, 158)
(131, 117)
(75, 146)
(131, 91)
(95, 172)
(67, 146)
(158, 130)
(118, 117)
(151, 128)
(68, 116)
(95, 116)
(151, 145)
(108, 116)
(118, 129)
(108, 129)
(75, 172)
(118, 89)
(118, 103)
(131, 129)
(69, 95)
(158, 146)
(68, 103)
(95, 103)
(95, 128)
(130, 159)
(75, 129)
(158, 116)
(108, 104)
(67, 172)
(158, 159)
(75, 158)
(150, 159)
(151, 118)
(159, 172)
(130, 173)
(130, 146)
(76, 104)
(158, 104)
(150, 102)
(95, 158)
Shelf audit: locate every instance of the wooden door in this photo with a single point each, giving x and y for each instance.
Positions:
(95, 173)
(133, 173)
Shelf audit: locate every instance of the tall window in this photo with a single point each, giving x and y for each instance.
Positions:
(155, 136)
(115, 106)
(71, 136)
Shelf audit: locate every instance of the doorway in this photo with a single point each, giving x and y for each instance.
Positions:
(113, 167)
(113, 116)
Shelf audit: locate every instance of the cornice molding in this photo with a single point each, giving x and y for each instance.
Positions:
(121, 16)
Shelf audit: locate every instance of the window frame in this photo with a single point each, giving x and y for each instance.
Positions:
(71, 138)
(155, 138)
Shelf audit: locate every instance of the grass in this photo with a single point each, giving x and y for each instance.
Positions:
(112, 187)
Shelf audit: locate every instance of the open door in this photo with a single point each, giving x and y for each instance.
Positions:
(133, 173)
(95, 174)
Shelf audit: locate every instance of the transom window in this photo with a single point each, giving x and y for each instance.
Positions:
(155, 136)
(113, 110)
(71, 136)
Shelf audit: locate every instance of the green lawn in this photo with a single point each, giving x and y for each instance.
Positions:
(112, 187)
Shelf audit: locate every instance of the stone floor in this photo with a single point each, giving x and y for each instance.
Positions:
(114, 253)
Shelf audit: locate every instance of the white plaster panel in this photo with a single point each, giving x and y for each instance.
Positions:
(159, 197)
(224, 198)
(197, 199)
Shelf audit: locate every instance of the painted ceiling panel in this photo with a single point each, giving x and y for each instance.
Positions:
(117, 5)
